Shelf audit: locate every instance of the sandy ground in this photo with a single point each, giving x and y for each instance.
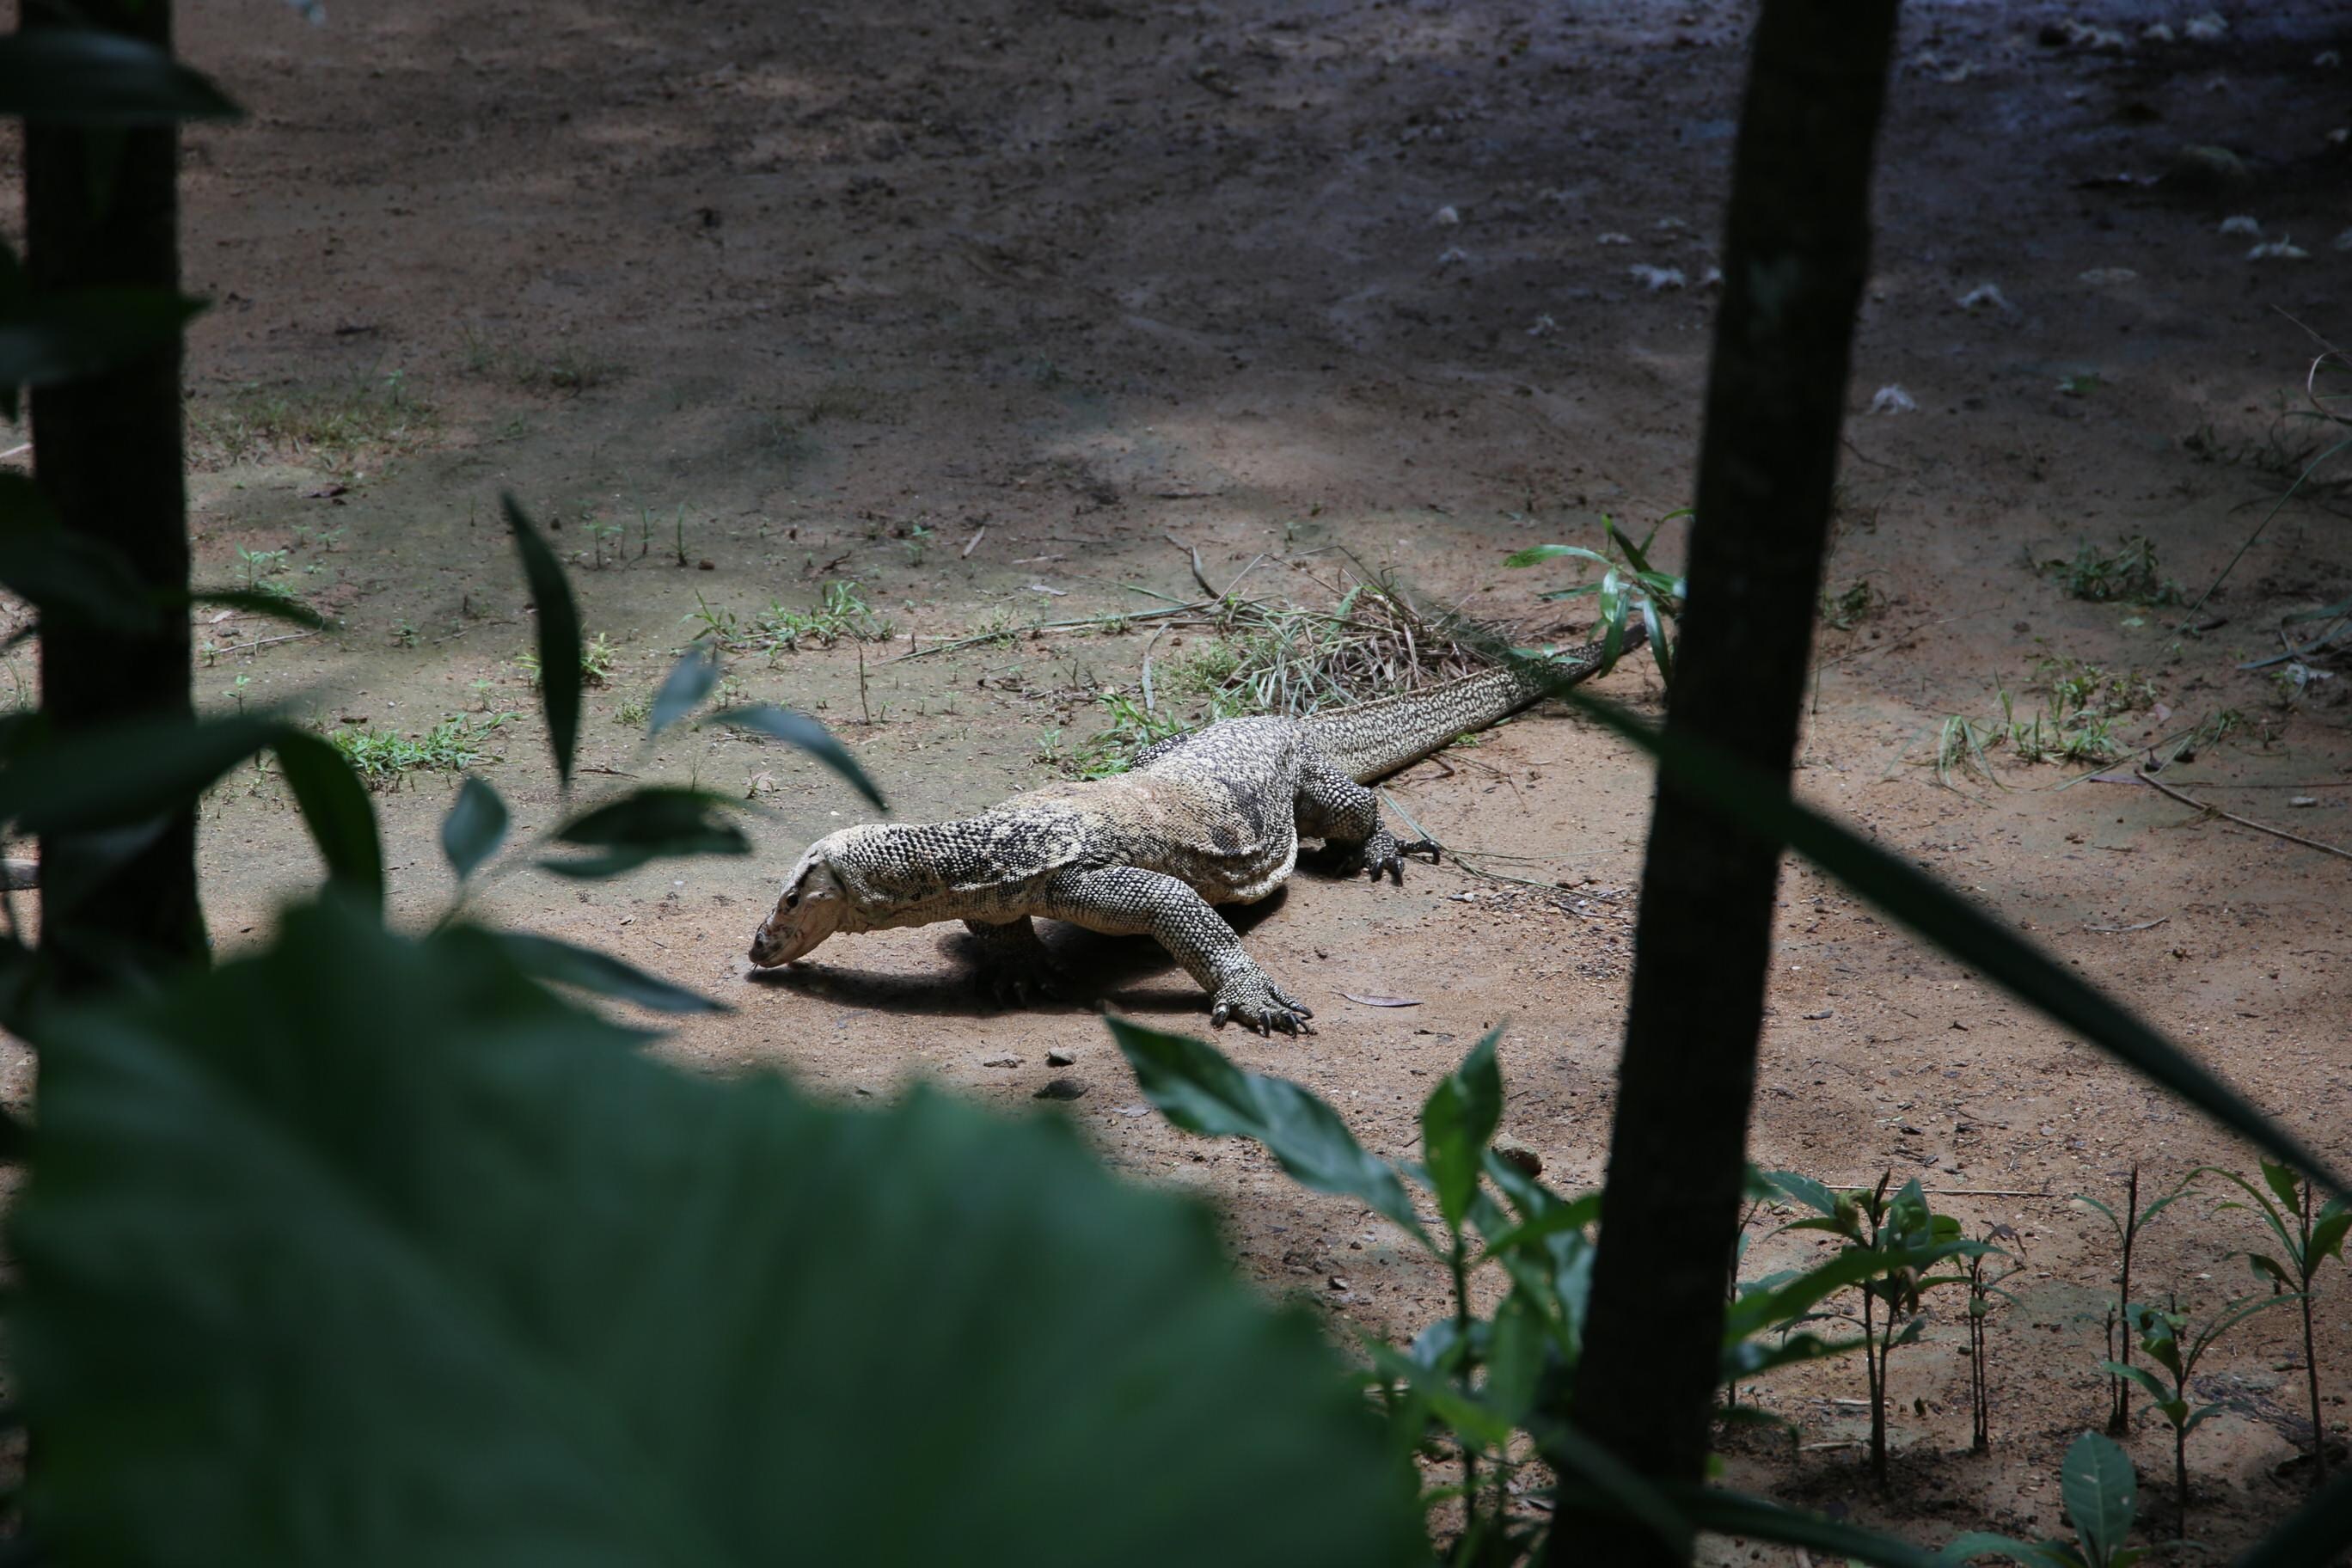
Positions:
(981, 309)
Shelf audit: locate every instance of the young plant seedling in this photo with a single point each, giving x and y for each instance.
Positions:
(2306, 1240)
(2127, 1227)
(2161, 1332)
(1892, 1244)
(1633, 588)
(1984, 1294)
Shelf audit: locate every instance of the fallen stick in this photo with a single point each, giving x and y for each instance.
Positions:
(2211, 810)
(1199, 574)
(1048, 626)
(972, 543)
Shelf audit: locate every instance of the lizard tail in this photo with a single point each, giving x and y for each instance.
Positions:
(1375, 739)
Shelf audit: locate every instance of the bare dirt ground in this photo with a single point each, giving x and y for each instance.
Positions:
(977, 307)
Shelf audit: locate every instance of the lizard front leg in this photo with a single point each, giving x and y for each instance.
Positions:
(1122, 901)
(1015, 965)
(1339, 811)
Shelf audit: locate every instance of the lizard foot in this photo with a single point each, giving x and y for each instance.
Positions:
(1257, 1002)
(1382, 855)
(1022, 983)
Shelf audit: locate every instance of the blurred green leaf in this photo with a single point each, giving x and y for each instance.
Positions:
(261, 601)
(1978, 1543)
(80, 75)
(62, 573)
(799, 730)
(1732, 1513)
(559, 638)
(651, 823)
(1457, 1122)
(370, 1251)
(474, 828)
(124, 774)
(602, 975)
(691, 681)
(1196, 1087)
(47, 338)
(2314, 1536)
(2101, 1494)
(1962, 929)
(336, 809)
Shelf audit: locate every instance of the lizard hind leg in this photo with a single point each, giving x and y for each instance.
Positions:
(1015, 966)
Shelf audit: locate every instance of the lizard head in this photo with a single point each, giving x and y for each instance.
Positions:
(813, 906)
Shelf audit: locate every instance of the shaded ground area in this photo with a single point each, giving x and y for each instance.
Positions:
(985, 313)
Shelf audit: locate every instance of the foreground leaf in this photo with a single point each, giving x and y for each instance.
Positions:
(457, 1277)
(1457, 1122)
(646, 825)
(558, 636)
(80, 75)
(2101, 1493)
(601, 973)
(61, 573)
(1196, 1087)
(49, 338)
(799, 730)
(336, 809)
(474, 828)
(124, 774)
(2314, 1536)
(690, 680)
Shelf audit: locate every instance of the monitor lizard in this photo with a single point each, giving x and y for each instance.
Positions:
(1213, 816)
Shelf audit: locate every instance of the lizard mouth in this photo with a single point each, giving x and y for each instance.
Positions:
(771, 948)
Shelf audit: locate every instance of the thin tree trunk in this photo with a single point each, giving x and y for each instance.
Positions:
(1794, 261)
(100, 208)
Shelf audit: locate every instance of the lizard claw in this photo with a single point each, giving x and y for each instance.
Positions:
(1258, 1003)
(1023, 984)
(1384, 855)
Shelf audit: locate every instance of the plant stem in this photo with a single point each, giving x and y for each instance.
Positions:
(1461, 1338)
(2180, 1479)
(2310, 1359)
(1873, 1357)
(2119, 1412)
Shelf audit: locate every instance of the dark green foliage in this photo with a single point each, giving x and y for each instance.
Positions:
(1485, 1390)
(456, 1277)
(690, 680)
(75, 76)
(560, 675)
(1633, 588)
(475, 827)
(2101, 1493)
(647, 825)
(799, 730)
(600, 974)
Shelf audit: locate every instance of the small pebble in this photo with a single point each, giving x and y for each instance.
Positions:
(1005, 1060)
(1060, 1057)
(1061, 1089)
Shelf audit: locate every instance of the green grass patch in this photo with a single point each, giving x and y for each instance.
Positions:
(382, 757)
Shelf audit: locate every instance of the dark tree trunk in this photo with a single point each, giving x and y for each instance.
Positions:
(101, 208)
(1794, 260)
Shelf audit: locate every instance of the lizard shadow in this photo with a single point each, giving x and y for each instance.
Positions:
(1119, 970)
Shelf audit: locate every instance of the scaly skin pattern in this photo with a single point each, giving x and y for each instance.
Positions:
(1211, 817)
